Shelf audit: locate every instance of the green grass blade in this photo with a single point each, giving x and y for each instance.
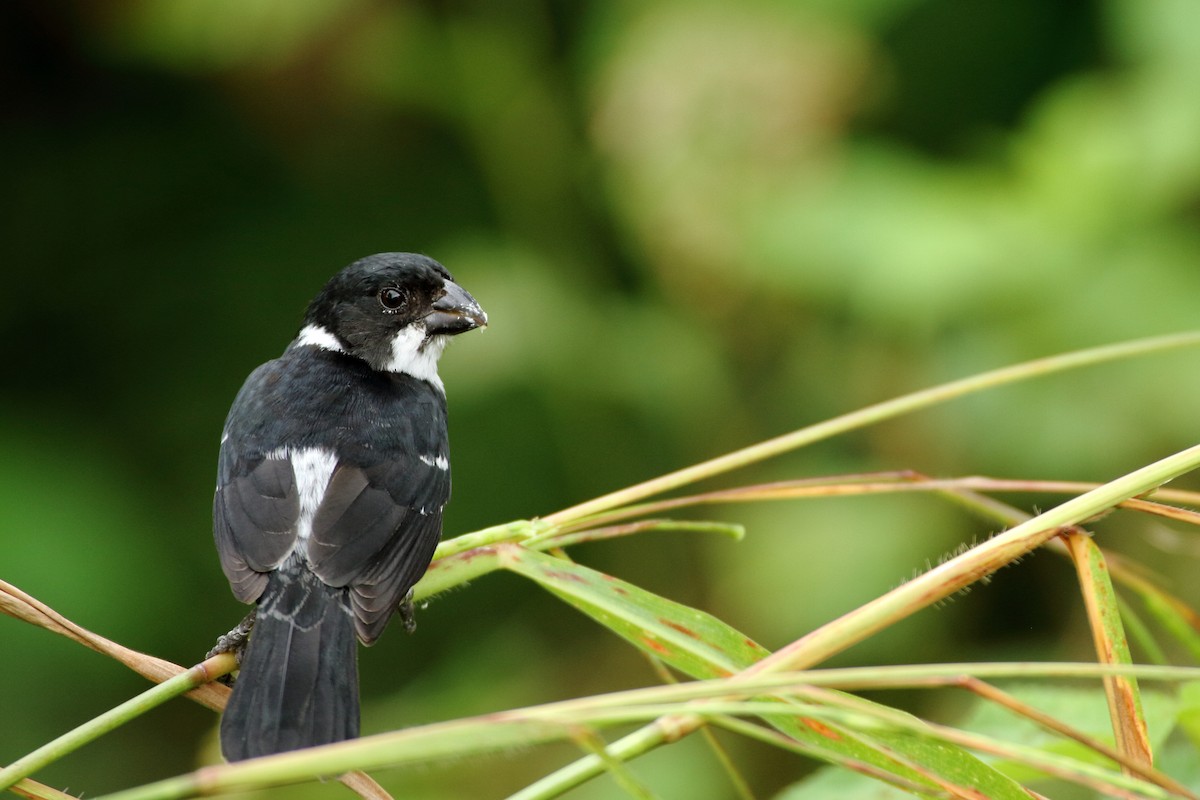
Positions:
(703, 646)
(692, 641)
(870, 415)
(1108, 634)
(113, 718)
(961, 571)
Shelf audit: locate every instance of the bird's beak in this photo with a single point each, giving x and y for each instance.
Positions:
(455, 312)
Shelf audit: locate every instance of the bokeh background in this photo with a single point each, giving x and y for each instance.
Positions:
(694, 225)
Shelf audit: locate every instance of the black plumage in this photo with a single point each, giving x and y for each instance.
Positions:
(332, 476)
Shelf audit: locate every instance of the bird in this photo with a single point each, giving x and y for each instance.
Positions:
(332, 476)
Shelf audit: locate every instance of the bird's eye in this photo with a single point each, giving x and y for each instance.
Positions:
(392, 298)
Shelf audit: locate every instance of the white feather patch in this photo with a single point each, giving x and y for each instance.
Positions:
(313, 467)
(319, 337)
(438, 461)
(415, 355)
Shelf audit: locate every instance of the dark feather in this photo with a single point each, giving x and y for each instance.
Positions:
(355, 520)
(377, 591)
(365, 426)
(260, 508)
(298, 685)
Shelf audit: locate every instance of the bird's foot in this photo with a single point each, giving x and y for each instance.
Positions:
(408, 614)
(233, 642)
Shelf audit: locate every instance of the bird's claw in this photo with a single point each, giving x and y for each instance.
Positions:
(233, 642)
(408, 614)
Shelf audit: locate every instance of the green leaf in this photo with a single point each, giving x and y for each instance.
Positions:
(1172, 614)
(703, 646)
(695, 643)
(1084, 708)
(915, 758)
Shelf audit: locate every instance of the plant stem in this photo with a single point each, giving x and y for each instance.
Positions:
(115, 717)
(905, 600)
(869, 416)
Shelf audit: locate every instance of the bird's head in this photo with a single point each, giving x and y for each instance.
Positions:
(395, 311)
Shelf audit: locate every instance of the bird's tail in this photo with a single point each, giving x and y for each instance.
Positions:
(298, 685)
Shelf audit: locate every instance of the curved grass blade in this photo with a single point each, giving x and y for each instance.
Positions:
(703, 646)
(1104, 618)
(869, 415)
(692, 641)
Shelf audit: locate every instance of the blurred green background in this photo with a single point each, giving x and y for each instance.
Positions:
(694, 226)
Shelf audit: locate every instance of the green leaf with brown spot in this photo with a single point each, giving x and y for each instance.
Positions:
(695, 643)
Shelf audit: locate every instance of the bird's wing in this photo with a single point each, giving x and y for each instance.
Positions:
(376, 530)
(377, 519)
(256, 503)
(254, 519)
(380, 589)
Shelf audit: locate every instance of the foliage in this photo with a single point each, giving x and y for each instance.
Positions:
(694, 226)
(743, 692)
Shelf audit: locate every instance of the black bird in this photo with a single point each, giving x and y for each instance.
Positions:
(332, 477)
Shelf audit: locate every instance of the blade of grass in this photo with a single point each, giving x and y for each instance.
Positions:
(22, 606)
(895, 482)
(1140, 634)
(592, 742)
(557, 721)
(496, 534)
(1170, 612)
(703, 646)
(869, 416)
(1104, 619)
(1004, 699)
(946, 579)
(557, 539)
(694, 642)
(773, 737)
(931, 737)
(960, 571)
(458, 569)
(464, 737)
(38, 791)
(458, 565)
(115, 717)
(738, 781)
